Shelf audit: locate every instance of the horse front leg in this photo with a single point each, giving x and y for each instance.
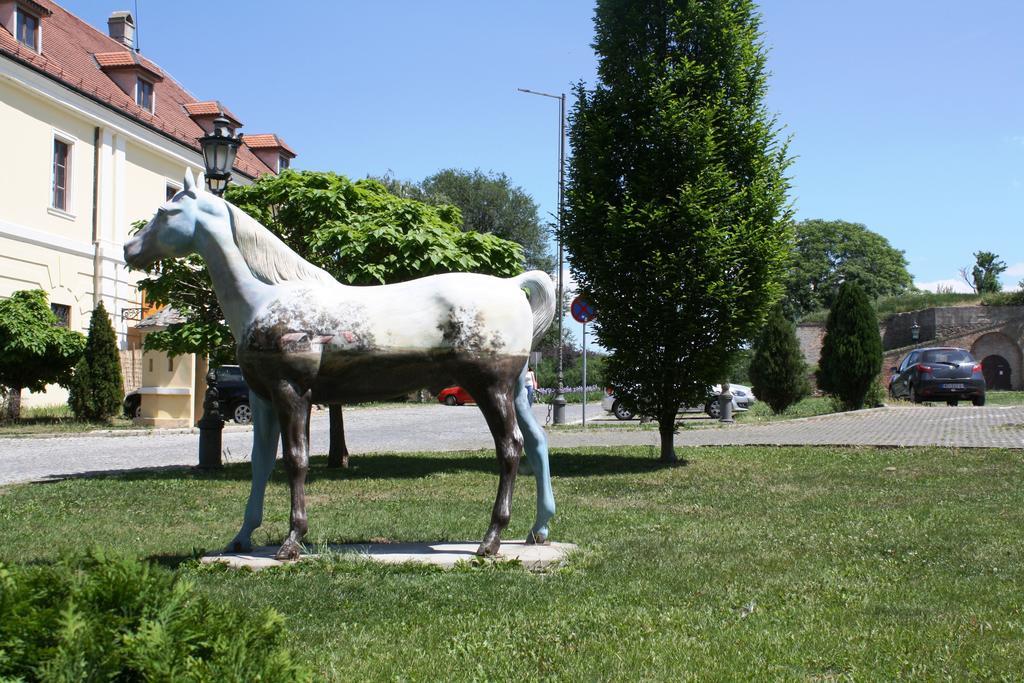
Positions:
(266, 432)
(495, 402)
(293, 405)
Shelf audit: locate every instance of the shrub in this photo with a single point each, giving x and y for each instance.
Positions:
(104, 618)
(96, 388)
(851, 353)
(1011, 298)
(778, 370)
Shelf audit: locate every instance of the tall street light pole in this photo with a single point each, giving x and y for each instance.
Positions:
(559, 400)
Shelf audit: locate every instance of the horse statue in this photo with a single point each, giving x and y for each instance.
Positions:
(303, 338)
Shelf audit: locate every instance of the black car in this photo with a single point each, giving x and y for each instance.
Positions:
(232, 391)
(945, 374)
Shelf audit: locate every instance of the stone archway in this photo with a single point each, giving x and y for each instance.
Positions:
(998, 374)
(1001, 360)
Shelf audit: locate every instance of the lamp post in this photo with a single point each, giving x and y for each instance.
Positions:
(558, 402)
(219, 149)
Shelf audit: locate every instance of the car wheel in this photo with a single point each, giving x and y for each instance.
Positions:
(621, 411)
(242, 414)
(138, 410)
(450, 400)
(952, 404)
(914, 398)
(713, 408)
(978, 400)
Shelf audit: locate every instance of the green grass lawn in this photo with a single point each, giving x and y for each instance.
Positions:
(1004, 398)
(56, 420)
(802, 563)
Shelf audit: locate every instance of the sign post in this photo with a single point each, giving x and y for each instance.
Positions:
(583, 313)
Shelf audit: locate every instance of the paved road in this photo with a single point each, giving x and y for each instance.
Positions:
(435, 427)
(391, 428)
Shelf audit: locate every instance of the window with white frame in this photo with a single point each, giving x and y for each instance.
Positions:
(144, 94)
(61, 179)
(170, 191)
(27, 27)
(282, 163)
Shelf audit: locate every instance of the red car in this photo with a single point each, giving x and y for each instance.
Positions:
(454, 396)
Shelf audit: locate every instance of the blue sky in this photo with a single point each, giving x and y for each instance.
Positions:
(905, 116)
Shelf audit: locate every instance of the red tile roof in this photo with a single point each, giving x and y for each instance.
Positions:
(210, 108)
(265, 140)
(72, 54)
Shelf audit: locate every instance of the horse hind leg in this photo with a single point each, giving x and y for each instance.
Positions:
(536, 447)
(496, 404)
(266, 432)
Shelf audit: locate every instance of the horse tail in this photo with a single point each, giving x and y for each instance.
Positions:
(541, 291)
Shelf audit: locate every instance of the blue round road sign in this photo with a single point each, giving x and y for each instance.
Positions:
(582, 311)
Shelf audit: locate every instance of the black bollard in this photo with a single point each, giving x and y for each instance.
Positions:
(210, 426)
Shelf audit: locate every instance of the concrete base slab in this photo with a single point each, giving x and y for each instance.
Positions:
(444, 555)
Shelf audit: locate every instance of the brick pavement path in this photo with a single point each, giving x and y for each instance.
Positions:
(963, 426)
(439, 428)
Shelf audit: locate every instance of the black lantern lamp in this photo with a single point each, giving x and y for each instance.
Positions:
(915, 332)
(219, 149)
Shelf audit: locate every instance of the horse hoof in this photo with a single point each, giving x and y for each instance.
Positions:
(489, 549)
(537, 538)
(237, 546)
(289, 550)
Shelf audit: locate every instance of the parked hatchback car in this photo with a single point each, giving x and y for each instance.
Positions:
(742, 399)
(454, 396)
(942, 373)
(232, 390)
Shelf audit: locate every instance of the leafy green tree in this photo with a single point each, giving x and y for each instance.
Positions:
(678, 227)
(359, 232)
(985, 274)
(828, 253)
(778, 370)
(34, 351)
(851, 353)
(489, 203)
(97, 386)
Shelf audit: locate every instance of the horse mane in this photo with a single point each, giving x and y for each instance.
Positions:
(270, 259)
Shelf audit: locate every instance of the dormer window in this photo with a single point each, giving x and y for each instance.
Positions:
(27, 30)
(144, 94)
(271, 150)
(133, 74)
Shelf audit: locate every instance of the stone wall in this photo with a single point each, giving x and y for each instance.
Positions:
(985, 331)
(810, 336)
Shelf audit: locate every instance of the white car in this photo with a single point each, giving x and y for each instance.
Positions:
(742, 399)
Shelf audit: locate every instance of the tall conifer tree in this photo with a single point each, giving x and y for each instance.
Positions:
(851, 353)
(677, 223)
(777, 369)
(97, 388)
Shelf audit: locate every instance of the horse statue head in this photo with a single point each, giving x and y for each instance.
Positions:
(171, 233)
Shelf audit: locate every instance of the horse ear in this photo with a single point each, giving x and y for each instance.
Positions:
(190, 181)
(201, 181)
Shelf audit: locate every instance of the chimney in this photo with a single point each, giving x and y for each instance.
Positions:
(121, 27)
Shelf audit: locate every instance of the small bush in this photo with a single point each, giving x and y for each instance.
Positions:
(96, 388)
(778, 370)
(102, 618)
(851, 353)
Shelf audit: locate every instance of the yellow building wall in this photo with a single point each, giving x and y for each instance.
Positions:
(167, 390)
